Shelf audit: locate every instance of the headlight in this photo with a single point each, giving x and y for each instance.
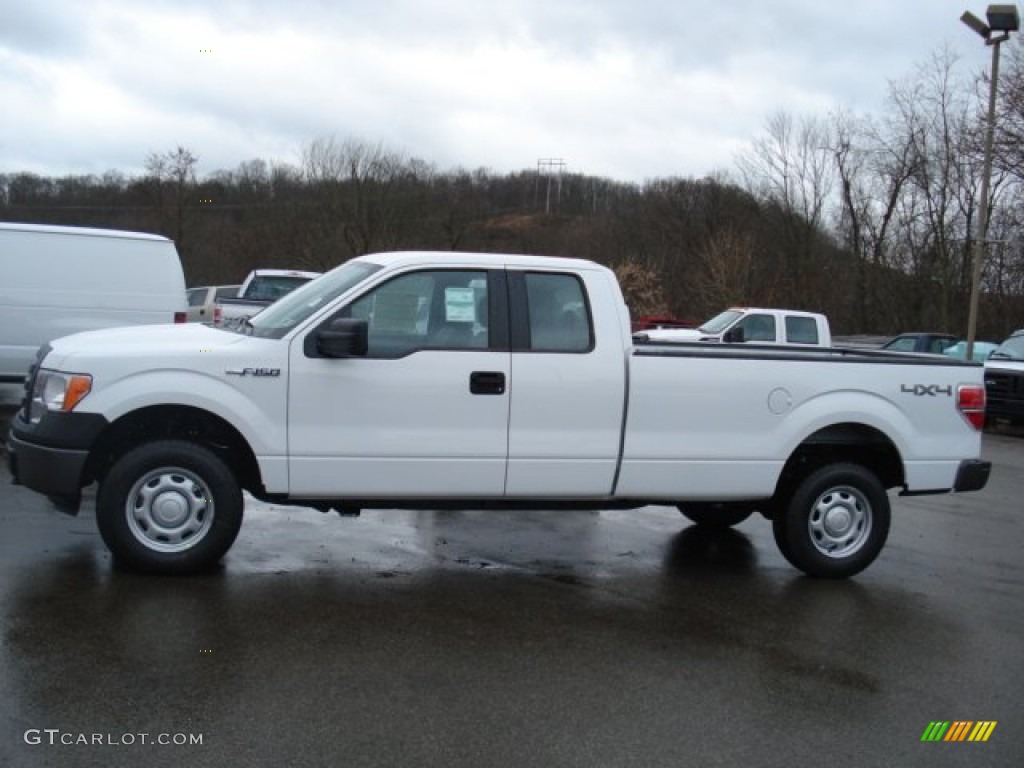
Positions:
(55, 391)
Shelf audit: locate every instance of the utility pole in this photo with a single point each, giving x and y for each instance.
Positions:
(551, 166)
(1003, 19)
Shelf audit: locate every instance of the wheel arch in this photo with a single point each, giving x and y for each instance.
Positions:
(844, 442)
(176, 422)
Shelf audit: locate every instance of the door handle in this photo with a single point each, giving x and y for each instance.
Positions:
(487, 383)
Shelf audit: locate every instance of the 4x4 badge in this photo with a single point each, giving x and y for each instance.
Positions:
(931, 390)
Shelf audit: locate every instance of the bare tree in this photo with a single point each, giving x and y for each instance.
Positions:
(791, 166)
(729, 276)
(354, 184)
(874, 164)
(1009, 138)
(934, 112)
(174, 170)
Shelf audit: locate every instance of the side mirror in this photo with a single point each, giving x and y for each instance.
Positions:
(344, 337)
(734, 335)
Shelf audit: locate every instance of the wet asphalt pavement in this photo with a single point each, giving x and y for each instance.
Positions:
(516, 639)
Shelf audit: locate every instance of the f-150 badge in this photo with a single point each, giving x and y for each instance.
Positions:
(253, 371)
(931, 390)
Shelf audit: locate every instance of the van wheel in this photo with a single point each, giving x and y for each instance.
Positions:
(835, 522)
(169, 506)
(716, 515)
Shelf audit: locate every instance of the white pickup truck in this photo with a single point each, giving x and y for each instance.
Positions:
(752, 324)
(445, 380)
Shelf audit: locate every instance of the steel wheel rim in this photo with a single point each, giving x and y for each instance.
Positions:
(169, 509)
(840, 521)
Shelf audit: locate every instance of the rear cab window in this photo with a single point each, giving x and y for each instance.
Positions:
(558, 313)
(801, 330)
(227, 292)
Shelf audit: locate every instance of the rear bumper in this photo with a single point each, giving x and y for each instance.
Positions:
(972, 475)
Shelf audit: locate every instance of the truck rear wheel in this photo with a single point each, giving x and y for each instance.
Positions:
(169, 506)
(835, 522)
(716, 515)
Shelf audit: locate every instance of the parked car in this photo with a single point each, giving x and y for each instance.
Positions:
(931, 343)
(752, 324)
(1004, 379)
(981, 352)
(261, 288)
(55, 281)
(468, 381)
(202, 302)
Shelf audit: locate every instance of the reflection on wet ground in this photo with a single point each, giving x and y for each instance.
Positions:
(503, 638)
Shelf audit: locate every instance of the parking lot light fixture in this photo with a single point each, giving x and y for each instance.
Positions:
(1002, 20)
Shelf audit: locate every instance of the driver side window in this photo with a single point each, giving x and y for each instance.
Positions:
(758, 328)
(438, 309)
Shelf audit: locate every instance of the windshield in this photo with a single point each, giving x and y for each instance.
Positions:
(286, 313)
(720, 322)
(1011, 349)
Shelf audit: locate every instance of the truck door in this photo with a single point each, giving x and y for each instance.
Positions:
(567, 387)
(425, 412)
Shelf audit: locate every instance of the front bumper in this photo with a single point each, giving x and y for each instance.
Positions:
(51, 457)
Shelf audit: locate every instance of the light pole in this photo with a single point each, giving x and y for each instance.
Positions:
(1002, 20)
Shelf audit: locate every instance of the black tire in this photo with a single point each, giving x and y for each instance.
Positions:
(835, 522)
(170, 507)
(716, 514)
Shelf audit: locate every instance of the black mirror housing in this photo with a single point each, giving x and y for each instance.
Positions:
(343, 337)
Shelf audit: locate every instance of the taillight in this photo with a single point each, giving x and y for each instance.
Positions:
(218, 315)
(970, 401)
(181, 317)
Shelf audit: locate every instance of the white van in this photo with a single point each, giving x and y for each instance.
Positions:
(55, 281)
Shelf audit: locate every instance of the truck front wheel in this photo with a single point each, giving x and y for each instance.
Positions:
(169, 506)
(835, 522)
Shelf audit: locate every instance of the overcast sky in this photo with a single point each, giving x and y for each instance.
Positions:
(627, 89)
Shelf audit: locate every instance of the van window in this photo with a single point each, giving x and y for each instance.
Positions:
(801, 330)
(196, 296)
